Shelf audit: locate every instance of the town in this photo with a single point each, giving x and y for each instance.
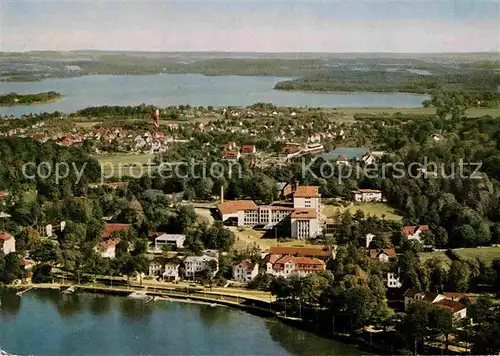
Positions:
(406, 263)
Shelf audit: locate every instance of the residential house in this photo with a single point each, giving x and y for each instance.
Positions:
(230, 146)
(168, 270)
(196, 264)
(287, 265)
(393, 280)
(382, 254)
(457, 309)
(7, 243)
(414, 232)
(368, 158)
(367, 195)
(107, 248)
(315, 138)
(248, 149)
(233, 156)
(342, 161)
(245, 271)
(112, 228)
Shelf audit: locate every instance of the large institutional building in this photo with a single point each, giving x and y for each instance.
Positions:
(303, 215)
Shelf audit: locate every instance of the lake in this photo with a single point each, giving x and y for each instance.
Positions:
(193, 89)
(46, 322)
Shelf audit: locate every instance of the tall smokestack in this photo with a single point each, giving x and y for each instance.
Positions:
(156, 117)
(222, 194)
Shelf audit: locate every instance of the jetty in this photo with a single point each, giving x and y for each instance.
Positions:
(70, 290)
(21, 292)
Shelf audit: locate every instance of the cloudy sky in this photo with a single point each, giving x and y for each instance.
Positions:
(252, 26)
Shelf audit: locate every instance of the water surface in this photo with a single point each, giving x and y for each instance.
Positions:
(46, 322)
(196, 90)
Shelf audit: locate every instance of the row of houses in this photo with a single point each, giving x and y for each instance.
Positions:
(284, 262)
(189, 267)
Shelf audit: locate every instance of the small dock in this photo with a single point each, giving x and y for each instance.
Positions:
(21, 292)
(70, 290)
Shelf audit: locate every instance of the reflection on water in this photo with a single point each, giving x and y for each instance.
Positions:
(81, 323)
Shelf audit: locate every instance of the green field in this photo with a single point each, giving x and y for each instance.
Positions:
(487, 254)
(439, 255)
(350, 112)
(380, 210)
(119, 165)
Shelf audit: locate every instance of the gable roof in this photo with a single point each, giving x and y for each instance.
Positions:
(246, 264)
(304, 213)
(109, 243)
(450, 305)
(375, 253)
(306, 191)
(111, 228)
(233, 206)
(5, 236)
(301, 263)
(412, 230)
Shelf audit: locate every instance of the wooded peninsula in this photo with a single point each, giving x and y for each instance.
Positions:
(29, 99)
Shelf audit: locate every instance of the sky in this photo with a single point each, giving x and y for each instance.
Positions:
(402, 26)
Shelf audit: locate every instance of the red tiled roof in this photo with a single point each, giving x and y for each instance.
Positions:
(306, 191)
(110, 242)
(411, 230)
(291, 149)
(233, 206)
(247, 148)
(341, 158)
(5, 236)
(450, 305)
(246, 264)
(374, 253)
(231, 154)
(111, 228)
(302, 251)
(304, 213)
(301, 263)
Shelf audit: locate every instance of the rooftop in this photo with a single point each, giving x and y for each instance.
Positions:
(306, 191)
(411, 230)
(111, 228)
(302, 251)
(233, 206)
(304, 213)
(5, 236)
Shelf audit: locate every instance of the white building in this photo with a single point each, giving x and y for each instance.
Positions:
(369, 238)
(197, 264)
(393, 280)
(245, 271)
(176, 240)
(367, 195)
(167, 270)
(368, 158)
(304, 214)
(287, 265)
(414, 232)
(107, 248)
(7, 243)
(457, 309)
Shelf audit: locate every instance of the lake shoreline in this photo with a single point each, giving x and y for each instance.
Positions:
(299, 324)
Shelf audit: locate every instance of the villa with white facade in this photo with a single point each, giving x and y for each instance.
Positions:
(367, 195)
(245, 271)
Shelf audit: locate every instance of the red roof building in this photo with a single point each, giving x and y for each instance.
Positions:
(111, 228)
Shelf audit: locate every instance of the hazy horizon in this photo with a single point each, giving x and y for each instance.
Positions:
(286, 26)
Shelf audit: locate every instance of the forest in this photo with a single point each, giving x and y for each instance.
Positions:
(28, 99)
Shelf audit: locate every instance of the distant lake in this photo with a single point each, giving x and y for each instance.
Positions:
(46, 322)
(193, 89)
